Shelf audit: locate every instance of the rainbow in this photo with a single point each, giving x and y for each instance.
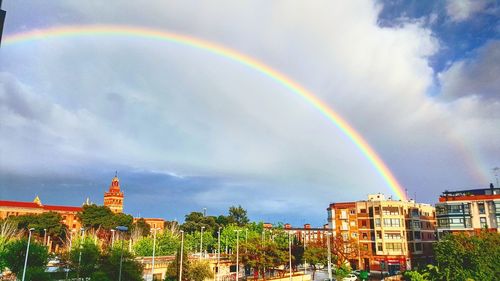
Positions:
(252, 63)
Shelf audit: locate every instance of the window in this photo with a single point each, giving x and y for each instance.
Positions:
(364, 235)
(392, 235)
(354, 235)
(352, 211)
(482, 220)
(390, 211)
(418, 235)
(377, 222)
(379, 247)
(353, 223)
(412, 247)
(363, 223)
(362, 211)
(480, 207)
(379, 234)
(392, 222)
(393, 246)
(418, 246)
(377, 210)
(409, 236)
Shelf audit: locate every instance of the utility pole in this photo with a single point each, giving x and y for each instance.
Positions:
(328, 234)
(218, 254)
(237, 253)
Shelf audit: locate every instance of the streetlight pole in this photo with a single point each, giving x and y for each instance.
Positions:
(329, 256)
(201, 242)
(122, 229)
(237, 253)
(154, 248)
(44, 237)
(305, 261)
(218, 254)
(27, 252)
(290, 254)
(182, 254)
(112, 238)
(82, 233)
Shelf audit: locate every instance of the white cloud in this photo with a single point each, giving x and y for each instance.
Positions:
(460, 10)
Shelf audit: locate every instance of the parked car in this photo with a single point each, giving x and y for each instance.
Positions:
(350, 277)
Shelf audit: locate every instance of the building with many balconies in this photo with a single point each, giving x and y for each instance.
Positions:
(388, 235)
(469, 211)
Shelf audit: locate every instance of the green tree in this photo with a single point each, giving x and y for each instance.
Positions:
(173, 269)
(142, 227)
(95, 217)
(342, 271)
(110, 264)
(316, 255)
(167, 243)
(16, 252)
(238, 215)
(8, 232)
(462, 256)
(199, 271)
(84, 257)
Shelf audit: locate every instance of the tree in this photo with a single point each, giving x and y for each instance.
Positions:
(142, 227)
(110, 264)
(16, 252)
(173, 268)
(199, 271)
(8, 232)
(462, 256)
(84, 257)
(342, 271)
(261, 256)
(238, 215)
(93, 216)
(167, 243)
(316, 255)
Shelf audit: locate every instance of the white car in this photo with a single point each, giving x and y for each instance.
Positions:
(350, 277)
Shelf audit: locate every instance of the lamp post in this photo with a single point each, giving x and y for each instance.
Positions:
(237, 253)
(82, 236)
(154, 248)
(112, 237)
(182, 254)
(27, 252)
(218, 254)
(305, 262)
(329, 256)
(122, 230)
(290, 254)
(44, 237)
(201, 242)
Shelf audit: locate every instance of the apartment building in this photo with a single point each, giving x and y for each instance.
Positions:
(384, 234)
(469, 211)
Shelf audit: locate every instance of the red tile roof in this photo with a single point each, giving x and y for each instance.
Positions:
(32, 205)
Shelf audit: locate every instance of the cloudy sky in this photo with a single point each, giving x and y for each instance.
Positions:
(187, 129)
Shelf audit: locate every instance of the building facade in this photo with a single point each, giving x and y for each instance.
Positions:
(113, 199)
(17, 208)
(469, 211)
(383, 234)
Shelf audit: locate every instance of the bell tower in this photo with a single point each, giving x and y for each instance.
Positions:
(113, 199)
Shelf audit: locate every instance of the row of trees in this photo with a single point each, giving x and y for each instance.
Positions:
(462, 257)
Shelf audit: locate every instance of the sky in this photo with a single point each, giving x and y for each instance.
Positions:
(187, 129)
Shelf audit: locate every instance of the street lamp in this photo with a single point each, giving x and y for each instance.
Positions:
(201, 242)
(82, 234)
(329, 256)
(237, 253)
(27, 252)
(122, 229)
(182, 254)
(44, 237)
(290, 254)
(154, 248)
(218, 254)
(112, 238)
(305, 261)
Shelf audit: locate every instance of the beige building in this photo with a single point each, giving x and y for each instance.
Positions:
(389, 235)
(470, 211)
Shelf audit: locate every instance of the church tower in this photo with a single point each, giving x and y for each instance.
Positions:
(113, 199)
